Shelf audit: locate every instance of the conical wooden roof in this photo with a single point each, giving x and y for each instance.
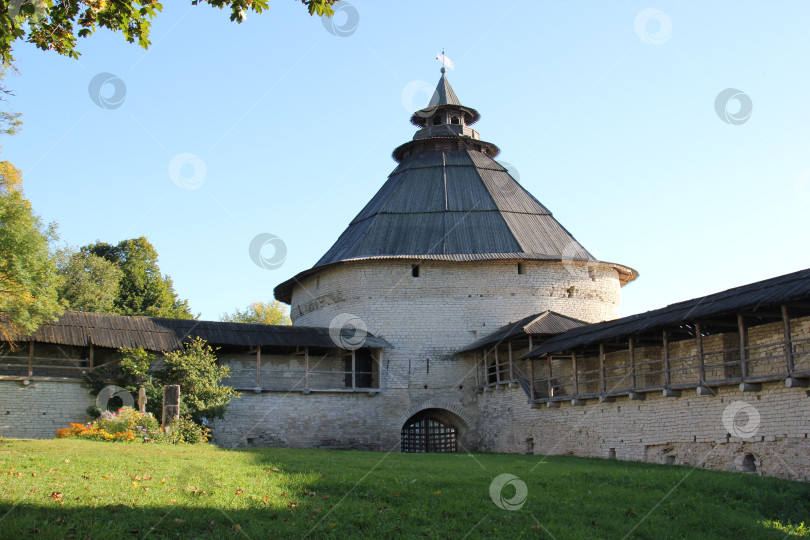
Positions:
(448, 199)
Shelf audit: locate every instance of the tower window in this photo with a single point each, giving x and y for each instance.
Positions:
(415, 270)
(520, 268)
(454, 120)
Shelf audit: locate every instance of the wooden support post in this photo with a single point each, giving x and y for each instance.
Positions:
(497, 366)
(574, 369)
(602, 370)
(477, 371)
(258, 366)
(511, 370)
(531, 378)
(485, 368)
(30, 358)
(91, 357)
(171, 404)
(632, 350)
(701, 360)
(354, 374)
(667, 367)
(550, 388)
(788, 339)
(743, 346)
(306, 368)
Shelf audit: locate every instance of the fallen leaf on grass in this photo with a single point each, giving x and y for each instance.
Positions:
(56, 495)
(239, 491)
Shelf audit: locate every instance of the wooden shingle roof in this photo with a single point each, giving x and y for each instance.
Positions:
(546, 323)
(160, 334)
(786, 289)
(448, 199)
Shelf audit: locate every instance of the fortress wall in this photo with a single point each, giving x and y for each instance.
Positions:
(36, 411)
(688, 430)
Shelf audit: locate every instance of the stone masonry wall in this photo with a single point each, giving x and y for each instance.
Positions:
(688, 430)
(36, 411)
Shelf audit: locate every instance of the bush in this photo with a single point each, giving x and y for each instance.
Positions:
(194, 369)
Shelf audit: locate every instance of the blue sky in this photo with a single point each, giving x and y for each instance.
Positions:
(606, 110)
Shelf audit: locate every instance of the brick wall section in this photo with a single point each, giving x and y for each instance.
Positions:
(36, 411)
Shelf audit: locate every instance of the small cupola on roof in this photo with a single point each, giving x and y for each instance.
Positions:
(448, 199)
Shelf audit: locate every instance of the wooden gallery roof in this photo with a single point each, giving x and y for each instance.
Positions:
(760, 300)
(547, 323)
(159, 334)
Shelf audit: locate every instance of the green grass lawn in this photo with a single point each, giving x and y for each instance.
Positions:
(80, 489)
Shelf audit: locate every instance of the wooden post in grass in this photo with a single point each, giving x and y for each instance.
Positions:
(171, 404)
(141, 400)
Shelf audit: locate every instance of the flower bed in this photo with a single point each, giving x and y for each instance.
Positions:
(129, 425)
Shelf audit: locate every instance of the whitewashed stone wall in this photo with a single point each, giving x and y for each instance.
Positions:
(450, 305)
(36, 411)
(688, 430)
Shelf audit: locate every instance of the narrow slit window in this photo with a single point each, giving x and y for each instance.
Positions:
(520, 268)
(415, 270)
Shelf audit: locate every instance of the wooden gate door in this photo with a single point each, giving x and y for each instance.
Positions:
(428, 435)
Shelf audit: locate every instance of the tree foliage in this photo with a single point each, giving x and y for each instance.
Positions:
(10, 121)
(194, 368)
(57, 24)
(88, 282)
(273, 312)
(143, 289)
(28, 275)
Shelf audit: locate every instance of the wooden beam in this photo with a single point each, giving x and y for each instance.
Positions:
(632, 350)
(788, 339)
(91, 357)
(258, 366)
(743, 345)
(667, 367)
(497, 366)
(511, 370)
(602, 370)
(574, 369)
(531, 378)
(794, 382)
(30, 358)
(750, 387)
(477, 370)
(701, 360)
(550, 389)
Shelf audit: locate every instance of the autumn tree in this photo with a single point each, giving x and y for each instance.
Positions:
(143, 289)
(28, 277)
(57, 24)
(273, 312)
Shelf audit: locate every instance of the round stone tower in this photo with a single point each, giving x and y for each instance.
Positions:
(449, 249)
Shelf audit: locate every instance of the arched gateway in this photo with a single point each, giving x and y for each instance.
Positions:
(432, 430)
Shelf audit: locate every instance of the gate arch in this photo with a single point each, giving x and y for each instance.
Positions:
(432, 429)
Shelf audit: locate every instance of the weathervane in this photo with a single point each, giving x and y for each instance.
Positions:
(445, 62)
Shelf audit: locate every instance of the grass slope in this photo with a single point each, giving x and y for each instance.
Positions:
(81, 489)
